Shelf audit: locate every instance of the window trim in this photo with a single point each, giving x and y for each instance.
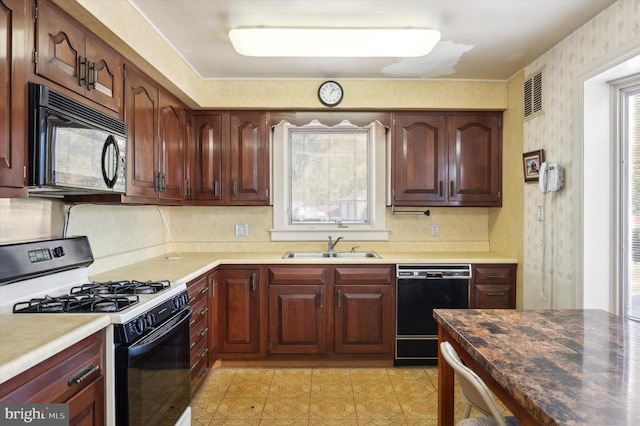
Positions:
(282, 230)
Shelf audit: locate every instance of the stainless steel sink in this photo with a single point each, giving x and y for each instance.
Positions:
(326, 254)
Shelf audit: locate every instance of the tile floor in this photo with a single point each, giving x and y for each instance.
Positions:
(319, 396)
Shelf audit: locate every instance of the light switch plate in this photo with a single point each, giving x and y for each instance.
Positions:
(242, 229)
(434, 230)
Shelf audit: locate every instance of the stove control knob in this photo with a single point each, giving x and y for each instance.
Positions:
(58, 251)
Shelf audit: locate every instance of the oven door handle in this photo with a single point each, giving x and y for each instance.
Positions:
(159, 334)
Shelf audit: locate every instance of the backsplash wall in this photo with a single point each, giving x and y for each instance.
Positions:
(120, 235)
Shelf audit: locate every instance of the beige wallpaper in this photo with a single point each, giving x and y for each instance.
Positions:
(550, 249)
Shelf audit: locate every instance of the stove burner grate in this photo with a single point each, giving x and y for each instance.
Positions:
(84, 303)
(120, 287)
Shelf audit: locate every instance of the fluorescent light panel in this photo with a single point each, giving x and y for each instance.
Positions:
(333, 42)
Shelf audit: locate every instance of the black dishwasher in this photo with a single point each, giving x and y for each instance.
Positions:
(420, 290)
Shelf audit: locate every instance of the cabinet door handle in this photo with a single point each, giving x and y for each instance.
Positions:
(453, 185)
(234, 187)
(440, 188)
(83, 374)
(253, 281)
(494, 276)
(321, 305)
(212, 284)
(216, 188)
(339, 297)
(82, 71)
(91, 75)
(495, 293)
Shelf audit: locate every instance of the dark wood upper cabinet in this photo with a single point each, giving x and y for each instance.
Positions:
(230, 158)
(249, 165)
(156, 149)
(475, 159)
(13, 98)
(419, 160)
(171, 139)
(447, 159)
(207, 157)
(67, 54)
(141, 116)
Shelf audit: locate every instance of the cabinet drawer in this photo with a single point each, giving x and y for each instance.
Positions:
(199, 353)
(198, 288)
(198, 373)
(364, 274)
(59, 377)
(494, 296)
(299, 275)
(494, 274)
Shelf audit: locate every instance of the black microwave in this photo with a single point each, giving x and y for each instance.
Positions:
(73, 149)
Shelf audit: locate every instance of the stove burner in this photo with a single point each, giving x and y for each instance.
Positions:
(121, 287)
(88, 303)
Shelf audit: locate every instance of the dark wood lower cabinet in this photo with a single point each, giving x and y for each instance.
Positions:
(331, 310)
(493, 286)
(297, 319)
(362, 317)
(240, 310)
(48, 382)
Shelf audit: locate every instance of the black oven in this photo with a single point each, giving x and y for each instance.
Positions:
(420, 290)
(153, 366)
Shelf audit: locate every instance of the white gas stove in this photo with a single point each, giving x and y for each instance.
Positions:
(51, 277)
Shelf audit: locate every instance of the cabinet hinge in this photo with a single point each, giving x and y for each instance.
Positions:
(34, 12)
(500, 122)
(24, 172)
(268, 291)
(268, 346)
(35, 56)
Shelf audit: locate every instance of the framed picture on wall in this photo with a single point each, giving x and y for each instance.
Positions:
(531, 162)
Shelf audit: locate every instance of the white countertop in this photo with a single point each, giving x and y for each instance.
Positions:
(26, 340)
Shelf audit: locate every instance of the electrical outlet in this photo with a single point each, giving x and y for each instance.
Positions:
(242, 229)
(434, 230)
(540, 213)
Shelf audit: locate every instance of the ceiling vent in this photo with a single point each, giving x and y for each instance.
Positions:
(533, 101)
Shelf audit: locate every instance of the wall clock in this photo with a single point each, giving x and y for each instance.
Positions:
(330, 93)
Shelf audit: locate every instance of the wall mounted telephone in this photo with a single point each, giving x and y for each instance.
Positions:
(551, 177)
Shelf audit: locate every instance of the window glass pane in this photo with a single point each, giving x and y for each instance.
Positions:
(632, 136)
(329, 181)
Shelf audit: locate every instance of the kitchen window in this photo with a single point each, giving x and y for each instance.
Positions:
(329, 181)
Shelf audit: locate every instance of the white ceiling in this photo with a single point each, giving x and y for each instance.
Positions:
(481, 39)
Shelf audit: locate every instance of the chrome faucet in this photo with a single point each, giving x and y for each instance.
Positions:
(332, 244)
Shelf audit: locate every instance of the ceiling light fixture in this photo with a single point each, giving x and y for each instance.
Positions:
(334, 42)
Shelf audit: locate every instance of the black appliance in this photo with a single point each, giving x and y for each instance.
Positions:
(420, 290)
(73, 149)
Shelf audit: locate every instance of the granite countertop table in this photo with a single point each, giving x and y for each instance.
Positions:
(567, 367)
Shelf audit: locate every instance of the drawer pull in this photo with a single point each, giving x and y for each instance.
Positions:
(83, 374)
(494, 276)
(203, 290)
(191, 299)
(202, 373)
(203, 352)
(203, 311)
(203, 331)
(192, 345)
(495, 293)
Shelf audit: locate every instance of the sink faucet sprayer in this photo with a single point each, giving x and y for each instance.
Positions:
(332, 244)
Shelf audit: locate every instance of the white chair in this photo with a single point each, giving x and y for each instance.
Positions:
(476, 393)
